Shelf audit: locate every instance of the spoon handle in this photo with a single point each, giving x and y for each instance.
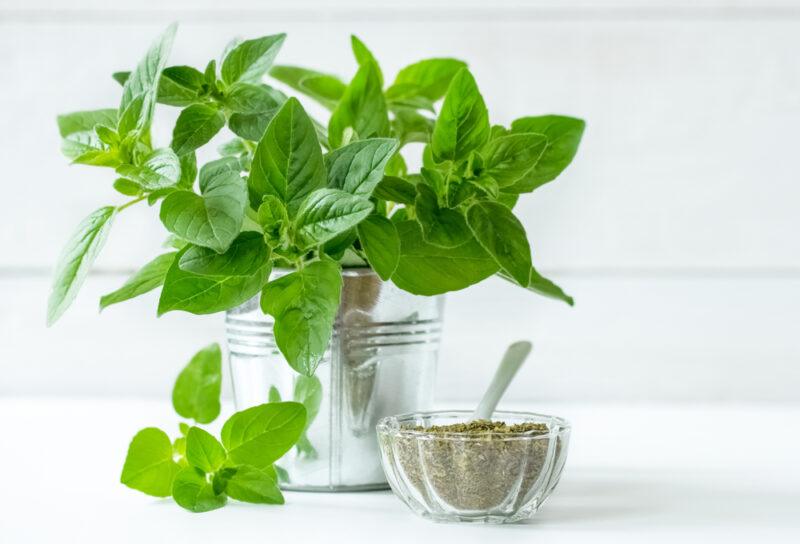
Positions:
(514, 357)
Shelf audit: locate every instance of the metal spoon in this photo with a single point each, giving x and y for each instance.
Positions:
(514, 357)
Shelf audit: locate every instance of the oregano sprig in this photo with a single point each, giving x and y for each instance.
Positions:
(201, 472)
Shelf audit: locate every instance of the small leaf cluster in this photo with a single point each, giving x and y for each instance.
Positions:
(200, 472)
(292, 193)
(452, 223)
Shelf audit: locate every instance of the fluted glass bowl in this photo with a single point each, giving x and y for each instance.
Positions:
(487, 478)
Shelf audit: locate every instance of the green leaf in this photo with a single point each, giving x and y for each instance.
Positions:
(260, 435)
(161, 169)
(200, 294)
(149, 466)
(197, 388)
(563, 137)
(509, 158)
(541, 285)
(426, 269)
(76, 259)
(87, 148)
(273, 218)
(395, 189)
(250, 98)
(249, 484)
(179, 86)
(215, 219)
(195, 127)
(442, 227)
(463, 123)
(131, 116)
(121, 77)
(144, 80)
(508, 200)
(381, 243)
(503, 236)
(192, 491)
(243, 259)
(358, 167)
(288, 160)
(274, 395)
(428, 78)
(142, 281)
(328, 212)
(204, 451)
(362, 107)
(409, 126)
(324, 88)
(188, 171)
(304, 305)
(85, 121)
(251, 59)
(250, 126)
(363, 55)
(308, 392)
(232, 147)
(127, 187)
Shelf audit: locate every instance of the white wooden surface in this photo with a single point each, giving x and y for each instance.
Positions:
(650, 473)
(675, 228)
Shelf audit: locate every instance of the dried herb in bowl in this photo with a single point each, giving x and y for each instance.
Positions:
(480, 465)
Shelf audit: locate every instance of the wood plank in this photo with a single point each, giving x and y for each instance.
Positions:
(627, 339)
(687, 160)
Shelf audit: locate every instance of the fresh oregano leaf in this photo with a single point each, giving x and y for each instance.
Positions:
(542, 286)
(195, 127)
(381, 244)
(428, 78)
(149, 466)
(85, 121)
(214, 219)
(142, 281)
(304, 305)
(324, 88)
(509, 158)
(503, 237)
(201, 294)
(563, 137)
(204, 451)
(362, 108)
(197, 389)
(463, 123)
(192, 491)
(288, 161)
(251, 59)
(442, 227)
(395, 189)
(328, 212)
(426, 269)
(249, 484)
(161, 169)
(127, 187)
(260, 435)
(76, 259)
(358, 167)
(144, 80)
(179, 85)
(252, 98)
(244, 258)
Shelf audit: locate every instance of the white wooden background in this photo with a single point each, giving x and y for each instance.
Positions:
(676, 228)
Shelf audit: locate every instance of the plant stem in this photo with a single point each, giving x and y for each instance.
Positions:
(130, 203)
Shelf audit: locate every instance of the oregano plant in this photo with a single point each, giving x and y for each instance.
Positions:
(307, 196)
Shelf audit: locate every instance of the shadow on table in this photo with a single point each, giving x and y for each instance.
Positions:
(601, 497)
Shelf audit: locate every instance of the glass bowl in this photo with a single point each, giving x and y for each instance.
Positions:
(493, 477)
